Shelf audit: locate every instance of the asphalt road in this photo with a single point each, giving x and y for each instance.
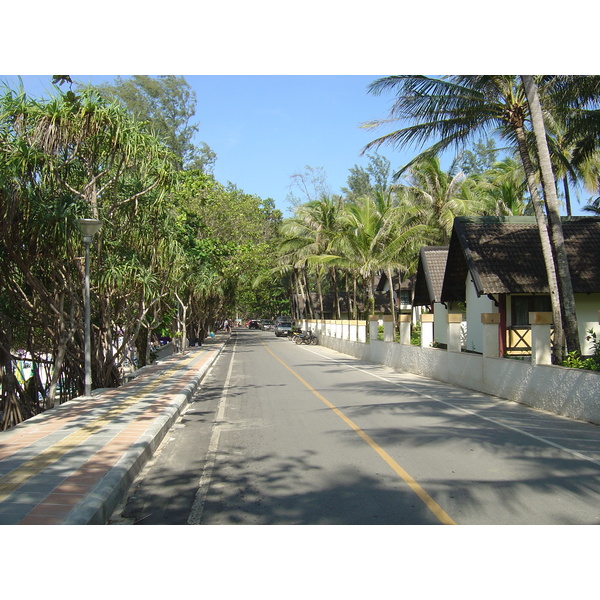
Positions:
(285, 434)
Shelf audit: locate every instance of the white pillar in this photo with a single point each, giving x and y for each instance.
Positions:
(541, 344)
(338, 329)
(404, 323)
(373, 327)
(491, 324)
(426, 331)
(454, 323)
(388, 329)
(362, 332)
(352, 330)
(345, 329)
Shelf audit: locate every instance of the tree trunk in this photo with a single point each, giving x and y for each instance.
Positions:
(369, 291)
(311, 311)
(546, 245)
(567, 195)
(183, 323)
(320, 295)
(9, 400)
(557, 240)
(302, 294)
(354, 296)
(336, 294)
(349, 304)
(392, 305)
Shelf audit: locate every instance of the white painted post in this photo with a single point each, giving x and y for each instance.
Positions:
(352, 330)
(491, 324)
(388, 329)
(373, 327)
(454, 323)
(541, 344)
(362, 332)
(404, 323)
(321, 328)
(345, 329)
(338, 329)
(426, 331)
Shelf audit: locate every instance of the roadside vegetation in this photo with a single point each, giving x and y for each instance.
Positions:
(178, 250)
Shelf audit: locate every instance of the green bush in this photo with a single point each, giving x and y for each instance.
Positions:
(592, 363)
(415, 335)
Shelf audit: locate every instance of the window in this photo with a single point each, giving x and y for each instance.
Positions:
(521, 306)
(405, 297)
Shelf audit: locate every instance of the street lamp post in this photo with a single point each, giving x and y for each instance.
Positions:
(88, 228)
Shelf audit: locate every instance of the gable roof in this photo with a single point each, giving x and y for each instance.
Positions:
(503, 255)
(430, 275)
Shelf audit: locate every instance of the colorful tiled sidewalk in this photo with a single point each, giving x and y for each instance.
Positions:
(73, 464)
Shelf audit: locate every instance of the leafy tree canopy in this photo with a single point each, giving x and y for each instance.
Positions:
(168, 103)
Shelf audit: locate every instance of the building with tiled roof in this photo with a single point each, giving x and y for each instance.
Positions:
(495, 264)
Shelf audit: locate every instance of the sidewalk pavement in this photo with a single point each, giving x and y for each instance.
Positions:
(73, 464)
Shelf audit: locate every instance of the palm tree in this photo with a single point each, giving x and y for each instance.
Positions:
(504, 188)
(375, 236)
(575, 153)
(553, 215)
(435, 196)
(308, 234)
(456, 110)
(593, 207)
(576, 98)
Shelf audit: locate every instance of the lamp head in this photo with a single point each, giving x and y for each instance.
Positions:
(89, 228)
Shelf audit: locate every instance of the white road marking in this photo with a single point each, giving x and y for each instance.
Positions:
(195, 516)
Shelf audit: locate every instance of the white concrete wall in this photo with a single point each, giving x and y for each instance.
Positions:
(573, 393)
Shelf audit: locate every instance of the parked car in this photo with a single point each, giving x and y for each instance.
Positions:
(266, 325)
(283, 328)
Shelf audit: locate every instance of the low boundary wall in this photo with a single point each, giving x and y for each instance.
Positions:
(573, 393)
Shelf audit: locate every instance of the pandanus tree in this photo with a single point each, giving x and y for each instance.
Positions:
(68, 157)
(456, 110)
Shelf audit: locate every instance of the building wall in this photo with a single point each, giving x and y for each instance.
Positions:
(588, 306)
(440, 324)
(476, 306)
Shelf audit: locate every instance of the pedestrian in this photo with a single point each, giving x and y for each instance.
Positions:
(227, 326)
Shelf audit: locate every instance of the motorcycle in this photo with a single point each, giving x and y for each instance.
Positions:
(308, 338)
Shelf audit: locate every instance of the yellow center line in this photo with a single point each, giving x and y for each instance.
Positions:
(11, 481)
(431, 504)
